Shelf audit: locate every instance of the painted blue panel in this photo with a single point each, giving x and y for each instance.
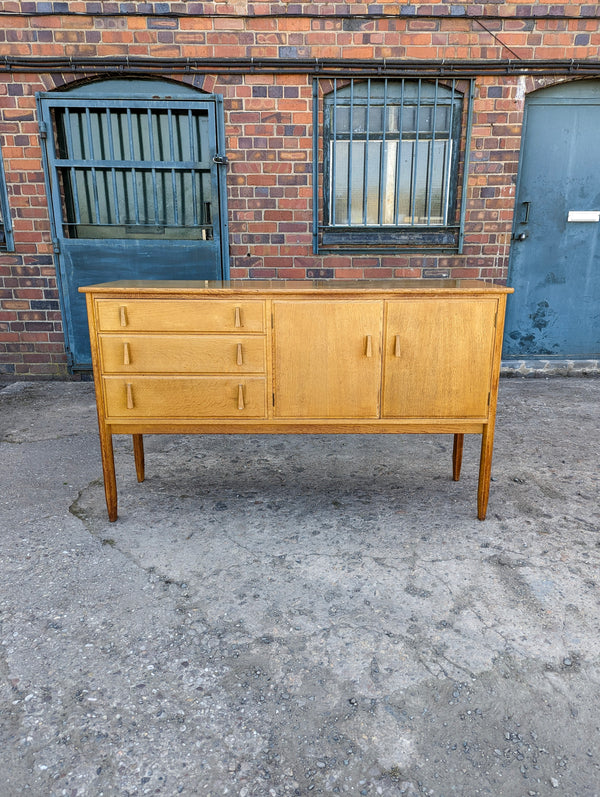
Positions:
(555, 270)
(92, 261)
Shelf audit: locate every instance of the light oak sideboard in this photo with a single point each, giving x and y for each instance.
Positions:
(401, 356)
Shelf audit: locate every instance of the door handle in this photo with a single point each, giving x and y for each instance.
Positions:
(520, 236)
(369, 346)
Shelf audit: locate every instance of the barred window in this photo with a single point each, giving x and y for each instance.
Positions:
(391, 164)
(6, 234)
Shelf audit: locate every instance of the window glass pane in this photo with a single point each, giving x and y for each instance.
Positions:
(393, 153)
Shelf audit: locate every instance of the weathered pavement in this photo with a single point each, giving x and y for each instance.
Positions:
(301, 615)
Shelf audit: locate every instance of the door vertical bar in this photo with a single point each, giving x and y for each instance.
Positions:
(92, 156)
(173, 176)
(153, 168)
(73, 171)
(194, 156)
(136, 206)
(111, 152)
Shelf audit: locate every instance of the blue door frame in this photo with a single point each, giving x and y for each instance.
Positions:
(555, 253)
(137, 189)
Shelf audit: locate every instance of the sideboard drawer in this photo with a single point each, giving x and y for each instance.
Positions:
(185, 397)
(180, 315)
(200, 354)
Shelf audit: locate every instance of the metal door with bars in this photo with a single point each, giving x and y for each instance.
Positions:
(136, 189)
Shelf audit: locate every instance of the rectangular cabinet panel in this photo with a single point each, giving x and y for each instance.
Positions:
(201, 354)
(438, 357)
(184, 397)
(180, 315)
(327, 360)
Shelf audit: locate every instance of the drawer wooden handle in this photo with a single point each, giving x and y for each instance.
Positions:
(369, 346)
(126, 354)
(129, 396)
(397, 346)
(239, 357)
(240, 397)
(123, 315)
(238, 317)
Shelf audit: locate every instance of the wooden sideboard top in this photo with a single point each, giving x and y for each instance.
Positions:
(329, 287)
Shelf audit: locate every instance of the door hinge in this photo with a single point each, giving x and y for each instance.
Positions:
(43, 130)
(496, 319)
(56, 246)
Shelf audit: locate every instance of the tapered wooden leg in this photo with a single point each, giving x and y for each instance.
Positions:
(485, 470)
(138, 455)
(108, 469)
(457, 453)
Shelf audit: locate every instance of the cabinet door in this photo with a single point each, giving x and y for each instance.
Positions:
(438, 357)
(327, 361)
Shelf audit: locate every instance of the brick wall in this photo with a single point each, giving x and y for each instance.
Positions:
(268, 125)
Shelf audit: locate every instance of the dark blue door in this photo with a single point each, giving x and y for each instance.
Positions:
(555, 253)
(136, 188)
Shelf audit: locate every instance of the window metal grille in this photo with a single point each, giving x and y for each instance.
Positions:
(391, 164)
(6, 233)
(134, 172)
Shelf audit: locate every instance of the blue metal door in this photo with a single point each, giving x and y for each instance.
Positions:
(555, 253)
(136, 189)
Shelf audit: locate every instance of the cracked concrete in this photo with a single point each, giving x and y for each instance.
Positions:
(300, 615)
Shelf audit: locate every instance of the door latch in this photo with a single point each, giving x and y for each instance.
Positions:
(520, 236)
(222, 160)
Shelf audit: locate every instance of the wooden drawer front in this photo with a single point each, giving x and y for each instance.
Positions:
(185, 397)
(200, 354)
(180, 315)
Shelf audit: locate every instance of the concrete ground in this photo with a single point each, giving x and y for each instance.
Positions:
(301, 615)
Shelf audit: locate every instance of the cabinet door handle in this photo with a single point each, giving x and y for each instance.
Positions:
(397, 346)
(238, 317)
(369, 346)
(129, 395)
(123, 315)
(126, 354)
(239, 358)
(240, 397)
